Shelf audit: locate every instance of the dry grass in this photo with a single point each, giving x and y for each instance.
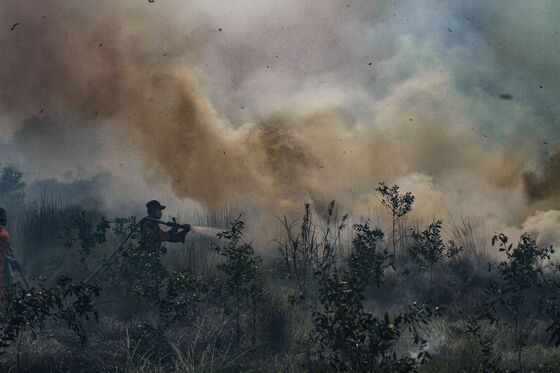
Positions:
(205, 344)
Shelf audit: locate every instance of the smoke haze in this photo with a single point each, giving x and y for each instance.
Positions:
(276, 104)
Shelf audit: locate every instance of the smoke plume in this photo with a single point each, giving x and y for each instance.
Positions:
(279, 104)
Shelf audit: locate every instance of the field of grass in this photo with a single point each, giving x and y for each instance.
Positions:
(325, 297)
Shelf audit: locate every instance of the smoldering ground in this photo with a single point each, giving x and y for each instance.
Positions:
(275, 105)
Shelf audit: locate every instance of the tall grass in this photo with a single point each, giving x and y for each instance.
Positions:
(468, 234)
(196, 254)
(310, 243)
(39, 226)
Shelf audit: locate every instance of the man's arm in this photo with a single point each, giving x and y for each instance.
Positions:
(174, 235)
(152, 230)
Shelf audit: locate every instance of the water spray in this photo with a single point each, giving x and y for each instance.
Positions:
(206, 231)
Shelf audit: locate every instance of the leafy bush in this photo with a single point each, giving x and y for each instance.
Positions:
(346, 335)
(80, 230)
(12, 193)
(240, 289)
(507, 299)
(367, 261)
(491, 361)
(30, 309)
(398, 205)
(428, 248)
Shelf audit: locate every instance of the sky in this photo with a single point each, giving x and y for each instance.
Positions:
(273, 104)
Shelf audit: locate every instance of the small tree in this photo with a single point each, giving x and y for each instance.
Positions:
(398, 204)
(428, 248)
(80, 230)
(367, 262)
(12, 193)
(346, 335)
(518, 273)
(552, 305)
(241, 268)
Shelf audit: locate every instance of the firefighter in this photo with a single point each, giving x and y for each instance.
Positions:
(151, 236)
(144, 269)
(5, 257)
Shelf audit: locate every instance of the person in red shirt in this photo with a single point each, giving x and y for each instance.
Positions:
(144, 270)
(151, 236)
(4, 251)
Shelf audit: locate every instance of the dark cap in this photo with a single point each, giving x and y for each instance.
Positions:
(3, 215)
(153, 205)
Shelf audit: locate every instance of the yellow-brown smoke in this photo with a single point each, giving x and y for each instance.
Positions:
(137, 72)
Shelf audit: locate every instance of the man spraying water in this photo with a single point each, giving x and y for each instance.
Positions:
(152, 236)
(147, 261)
(149, 227)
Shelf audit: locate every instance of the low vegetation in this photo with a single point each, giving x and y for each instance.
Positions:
(331, 297)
